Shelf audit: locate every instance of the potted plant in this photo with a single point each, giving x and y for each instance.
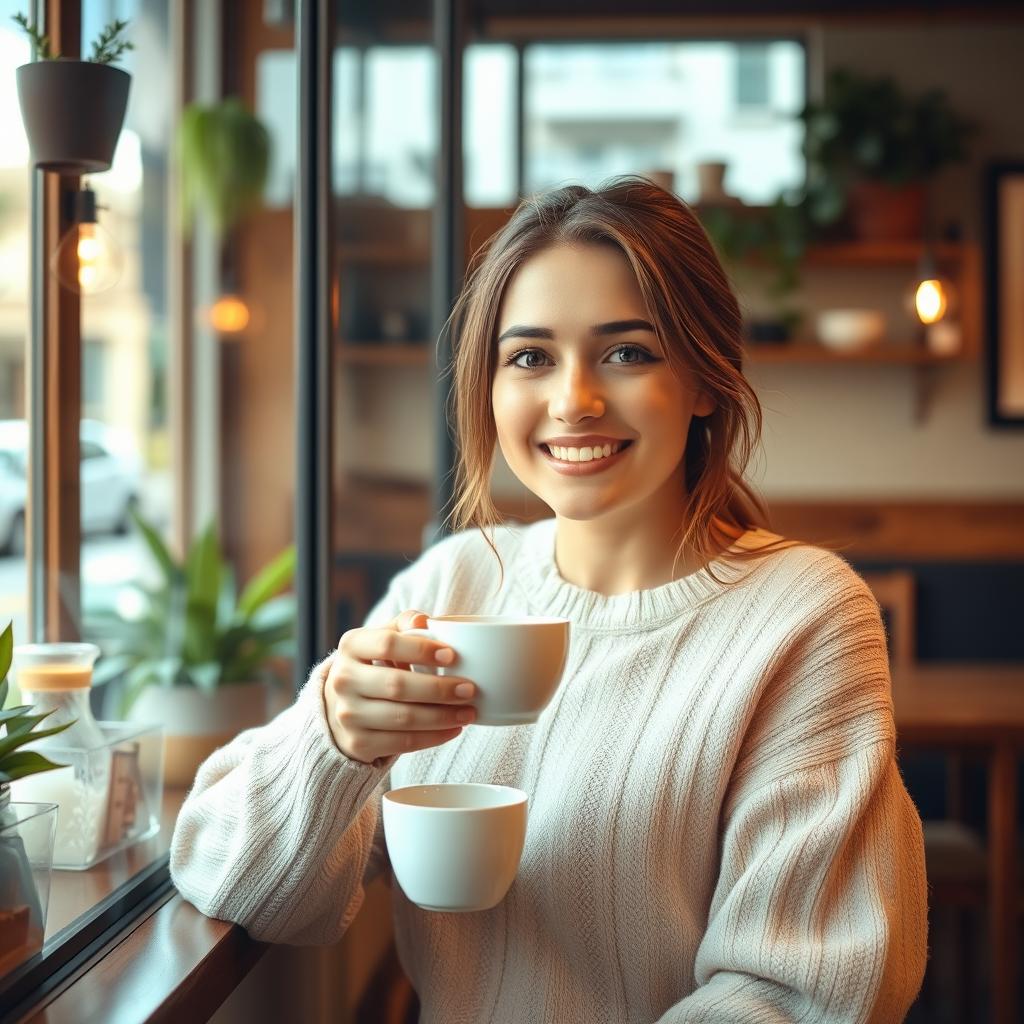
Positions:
(26, 830)
(73, 110)
(197, 656)
(871, 148)
(775, 239)
(224, 157)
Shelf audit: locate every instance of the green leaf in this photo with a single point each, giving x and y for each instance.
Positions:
(203, 568)
(6, 650)
(20, 738)
(206, 676)
(157, 547)
(17, 712)
(27, 762)
(272, 579)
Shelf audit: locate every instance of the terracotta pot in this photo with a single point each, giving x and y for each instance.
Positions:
(883, 213)
(73, 111)
(196, 724)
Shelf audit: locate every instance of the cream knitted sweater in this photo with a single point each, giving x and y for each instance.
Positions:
(718, 831)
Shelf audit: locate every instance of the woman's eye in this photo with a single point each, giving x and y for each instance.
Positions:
(516, 357)
(635, 354)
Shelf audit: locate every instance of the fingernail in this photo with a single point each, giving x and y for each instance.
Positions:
(445, 656)
(465, 716)
(464, 690)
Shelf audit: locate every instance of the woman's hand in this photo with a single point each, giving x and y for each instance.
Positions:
(376, 710)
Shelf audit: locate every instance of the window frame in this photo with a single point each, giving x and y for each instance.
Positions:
(53, 412)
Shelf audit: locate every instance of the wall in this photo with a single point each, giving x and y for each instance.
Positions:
(850, 430)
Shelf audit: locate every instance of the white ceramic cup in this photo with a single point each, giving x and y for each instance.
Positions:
(515, 661)
(455, 846)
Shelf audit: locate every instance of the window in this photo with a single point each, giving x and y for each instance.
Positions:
(123, 431)
(753, 85)
(594, 110)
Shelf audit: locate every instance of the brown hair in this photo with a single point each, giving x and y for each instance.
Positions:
(698, 322)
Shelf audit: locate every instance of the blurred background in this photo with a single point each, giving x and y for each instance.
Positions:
(860, 169)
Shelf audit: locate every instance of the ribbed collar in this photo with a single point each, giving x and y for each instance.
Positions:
(547, 593)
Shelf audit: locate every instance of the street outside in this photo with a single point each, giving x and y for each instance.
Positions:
(108, 561)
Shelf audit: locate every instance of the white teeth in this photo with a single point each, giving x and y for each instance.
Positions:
(584, 454)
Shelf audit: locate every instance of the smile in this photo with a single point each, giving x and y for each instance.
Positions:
(585, 461)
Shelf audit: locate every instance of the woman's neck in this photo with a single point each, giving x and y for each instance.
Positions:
(613, 556)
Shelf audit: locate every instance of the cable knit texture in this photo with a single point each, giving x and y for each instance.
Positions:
(718, 831)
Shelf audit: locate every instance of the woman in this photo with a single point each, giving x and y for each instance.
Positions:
(718, 829)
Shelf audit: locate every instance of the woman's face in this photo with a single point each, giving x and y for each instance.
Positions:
(580, 370)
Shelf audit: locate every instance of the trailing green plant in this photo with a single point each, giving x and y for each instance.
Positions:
(192, 627)
(109, 46)
(223, 152)
(19, 727)
(869, 128)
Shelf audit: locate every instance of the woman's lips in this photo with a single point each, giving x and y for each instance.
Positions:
(584, 468)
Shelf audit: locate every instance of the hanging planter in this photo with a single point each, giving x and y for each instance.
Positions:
(73, 110)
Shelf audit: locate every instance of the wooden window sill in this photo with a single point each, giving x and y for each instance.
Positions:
(173, 965)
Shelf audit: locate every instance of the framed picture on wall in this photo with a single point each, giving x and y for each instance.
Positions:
(1004, 292)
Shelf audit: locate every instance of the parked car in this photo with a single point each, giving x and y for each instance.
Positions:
(111, 481)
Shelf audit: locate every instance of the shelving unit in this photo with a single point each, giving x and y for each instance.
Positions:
(375, 353)
(883, 354)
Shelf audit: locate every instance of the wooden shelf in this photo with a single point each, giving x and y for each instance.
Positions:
(879, 254)
(383, 255)
(354, 353)
(883, 354)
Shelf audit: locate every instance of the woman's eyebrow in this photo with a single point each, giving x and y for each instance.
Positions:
(602, 330)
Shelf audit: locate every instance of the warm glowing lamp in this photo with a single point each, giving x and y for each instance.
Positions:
(229, 314)
(931, 300)
(87, 260)
(933, 294)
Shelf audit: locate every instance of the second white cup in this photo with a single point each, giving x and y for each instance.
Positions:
(455, 846)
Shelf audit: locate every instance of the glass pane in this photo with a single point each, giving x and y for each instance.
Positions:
(489, 139)
(384, 150)
(15, 221)
(594, 110)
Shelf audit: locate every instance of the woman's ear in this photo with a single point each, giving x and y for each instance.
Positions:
(705, 404)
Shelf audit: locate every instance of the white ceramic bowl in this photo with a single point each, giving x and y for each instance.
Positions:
(849, 330)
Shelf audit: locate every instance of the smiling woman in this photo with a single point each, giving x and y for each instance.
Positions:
(584, 389)
(717, 826)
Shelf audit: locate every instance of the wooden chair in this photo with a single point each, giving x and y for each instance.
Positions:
(955, 858)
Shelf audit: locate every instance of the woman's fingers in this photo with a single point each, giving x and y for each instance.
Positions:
(368, 746)
(392, 716)
(381, 682)
(387, 644)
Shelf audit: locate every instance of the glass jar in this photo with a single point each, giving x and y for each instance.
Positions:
(57, 678)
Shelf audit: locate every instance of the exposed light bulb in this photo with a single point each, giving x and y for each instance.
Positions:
(87, 260)
(931, 300)
(229, 314)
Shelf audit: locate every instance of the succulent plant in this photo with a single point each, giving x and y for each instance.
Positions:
(19, 725)
(106, 48)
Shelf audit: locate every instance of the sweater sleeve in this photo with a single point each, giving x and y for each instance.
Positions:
(279, 832)
(819, 912)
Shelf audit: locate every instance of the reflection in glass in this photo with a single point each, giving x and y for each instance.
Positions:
(15, 200)
(489, 127)
(594, 110)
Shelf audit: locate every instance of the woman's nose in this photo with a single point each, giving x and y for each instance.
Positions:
(576, 395)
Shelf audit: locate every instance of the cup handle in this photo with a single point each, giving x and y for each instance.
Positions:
(422, 668)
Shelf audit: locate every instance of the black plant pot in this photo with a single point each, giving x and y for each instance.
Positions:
(73, 111)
